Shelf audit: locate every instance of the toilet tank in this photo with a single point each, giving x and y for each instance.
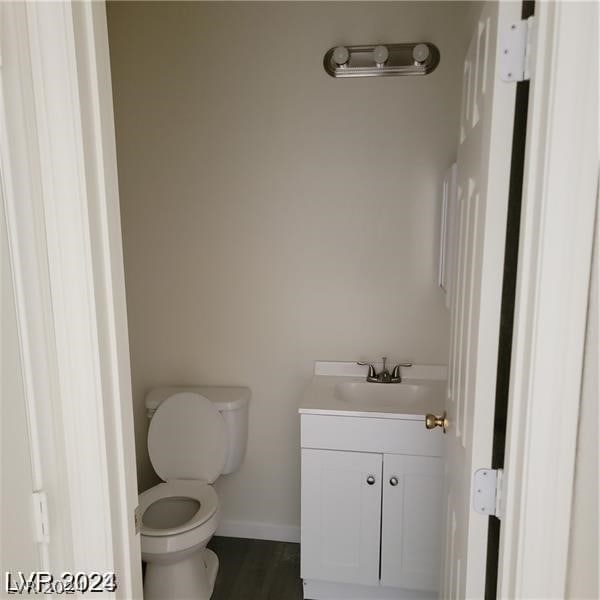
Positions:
(231, 402)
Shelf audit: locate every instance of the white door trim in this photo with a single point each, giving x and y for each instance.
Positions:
(66, 220)
(97, 118)
(559, 198)
(59, 167)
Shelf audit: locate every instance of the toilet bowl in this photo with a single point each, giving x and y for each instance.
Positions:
(190, 444)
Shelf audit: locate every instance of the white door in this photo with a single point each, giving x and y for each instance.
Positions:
(411, 522)
(18, 546)
(483, 159)
(341, 516)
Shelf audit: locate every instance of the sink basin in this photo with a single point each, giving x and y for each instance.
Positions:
(348, 395)
(407, 398)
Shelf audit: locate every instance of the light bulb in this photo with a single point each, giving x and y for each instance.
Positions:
(340, 55)
(380, 55)
(420, 53)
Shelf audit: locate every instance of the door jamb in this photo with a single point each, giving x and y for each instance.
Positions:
(511, 248)
(559, 199)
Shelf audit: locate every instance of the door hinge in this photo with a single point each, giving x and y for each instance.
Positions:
(137, 519)
(487, 492)
(515, 50)
(40, 517)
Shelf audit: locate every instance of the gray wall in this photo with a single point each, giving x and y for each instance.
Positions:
(273, 215)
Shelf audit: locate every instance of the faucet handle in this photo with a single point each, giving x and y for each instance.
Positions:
(372, 372)
(396, 369)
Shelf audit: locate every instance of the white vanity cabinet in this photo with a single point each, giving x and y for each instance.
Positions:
(411, 521)
(341, 515)
(371, 507)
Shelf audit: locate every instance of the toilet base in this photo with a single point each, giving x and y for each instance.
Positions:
(191, 578)
(211, 560)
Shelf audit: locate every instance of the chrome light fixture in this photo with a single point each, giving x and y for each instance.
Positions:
(379, 60)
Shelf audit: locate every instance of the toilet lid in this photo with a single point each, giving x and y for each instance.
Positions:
(187, 438)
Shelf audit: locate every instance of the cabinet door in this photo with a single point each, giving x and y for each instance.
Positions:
(341, 516)
(412, 522)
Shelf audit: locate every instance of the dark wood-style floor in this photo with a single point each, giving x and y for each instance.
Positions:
(256, 570)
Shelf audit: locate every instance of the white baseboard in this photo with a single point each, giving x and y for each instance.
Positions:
(257, 530)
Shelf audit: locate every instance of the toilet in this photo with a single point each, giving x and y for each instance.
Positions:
(196, 434)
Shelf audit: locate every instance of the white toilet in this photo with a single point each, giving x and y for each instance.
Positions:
(195, 435)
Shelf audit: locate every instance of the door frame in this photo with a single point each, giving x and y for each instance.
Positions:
(89, 362)
(58, 162)
(561, 163)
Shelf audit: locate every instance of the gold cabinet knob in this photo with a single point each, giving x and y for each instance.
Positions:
(432, 421)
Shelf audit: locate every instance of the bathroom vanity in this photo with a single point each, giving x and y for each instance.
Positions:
(372, 481)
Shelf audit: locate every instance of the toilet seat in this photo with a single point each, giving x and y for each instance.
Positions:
(200, 491)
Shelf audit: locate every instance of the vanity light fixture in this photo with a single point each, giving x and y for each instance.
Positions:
(378, 60)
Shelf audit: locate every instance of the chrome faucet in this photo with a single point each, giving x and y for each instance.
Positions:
(384, 376)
